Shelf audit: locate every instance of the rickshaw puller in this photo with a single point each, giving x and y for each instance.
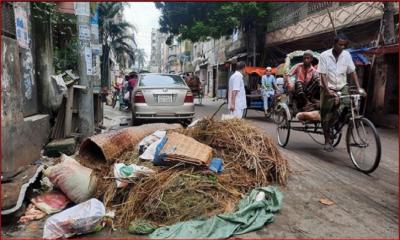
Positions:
(334, 65)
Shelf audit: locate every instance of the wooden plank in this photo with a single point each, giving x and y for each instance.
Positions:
(68, 112)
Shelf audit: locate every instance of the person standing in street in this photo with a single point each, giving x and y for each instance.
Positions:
(334, 66)
(237, 95)
(268, 87)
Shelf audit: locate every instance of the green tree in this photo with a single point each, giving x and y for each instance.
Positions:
(140, 57)
(63, 29)
(197, 21)
(115, 34)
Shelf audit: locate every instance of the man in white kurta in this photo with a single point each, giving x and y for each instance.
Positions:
(237, 94)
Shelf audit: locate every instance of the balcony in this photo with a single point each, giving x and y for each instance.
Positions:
(292, 21)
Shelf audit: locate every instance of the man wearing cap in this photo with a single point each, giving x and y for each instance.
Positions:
(307, 81)
(268, 87)
(334, 66)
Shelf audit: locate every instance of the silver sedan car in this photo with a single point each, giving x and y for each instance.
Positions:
(162, 97)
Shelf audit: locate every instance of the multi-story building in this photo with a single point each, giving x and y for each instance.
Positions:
(157, 42)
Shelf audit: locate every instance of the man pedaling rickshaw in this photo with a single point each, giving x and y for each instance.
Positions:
(306, 88)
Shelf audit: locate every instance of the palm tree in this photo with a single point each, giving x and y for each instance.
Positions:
(140, 57)
(116, 34)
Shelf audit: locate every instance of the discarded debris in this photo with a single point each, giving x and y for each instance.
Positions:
(101, 150)
(251, 214)
(83, 218)
(251, 157)
(182, 191)
(216, 165)
(124, 174)
(51, 202)
(56, 147)
(32, 213)
(75, 180)
(180, 148)
(326, 201)
(141, 227)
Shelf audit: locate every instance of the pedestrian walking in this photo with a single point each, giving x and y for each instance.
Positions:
(268, 87)
(237, 95)
(334, 66)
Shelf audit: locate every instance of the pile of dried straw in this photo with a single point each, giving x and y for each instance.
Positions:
(182, 193)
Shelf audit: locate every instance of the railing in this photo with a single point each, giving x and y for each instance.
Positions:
(8, 21)
(285, 14)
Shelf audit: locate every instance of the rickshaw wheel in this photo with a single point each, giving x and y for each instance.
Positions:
(363, 145)
(283, 127)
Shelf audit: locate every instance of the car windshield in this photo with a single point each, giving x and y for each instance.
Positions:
(161, 80)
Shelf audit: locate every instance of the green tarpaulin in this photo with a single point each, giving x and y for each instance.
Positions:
(251, 214)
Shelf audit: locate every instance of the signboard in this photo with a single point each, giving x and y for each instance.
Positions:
(94, 26)
(82, 9)
(84, 33)
(21, 26)
(97, 49)
(88, 60)
(94, 30)
(94, 19)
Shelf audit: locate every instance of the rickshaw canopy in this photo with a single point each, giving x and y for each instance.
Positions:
(260, 71)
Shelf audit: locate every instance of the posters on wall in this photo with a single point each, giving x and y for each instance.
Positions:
(88, 61)
(82, 8)
(84, 33)
(97, 49)
(21, 27)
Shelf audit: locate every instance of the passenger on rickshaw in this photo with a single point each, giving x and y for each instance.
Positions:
(268, 88)
(307, 84)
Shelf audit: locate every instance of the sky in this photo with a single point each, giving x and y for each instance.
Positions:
(144, 16)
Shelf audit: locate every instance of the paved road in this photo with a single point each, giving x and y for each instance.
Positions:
(365, 206)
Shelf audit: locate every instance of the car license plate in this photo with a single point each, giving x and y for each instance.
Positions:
(164, 98)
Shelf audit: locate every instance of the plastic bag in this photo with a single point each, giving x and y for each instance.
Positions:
(149, 140)
(57, 90)
(51, 202)
(72, 178)
(83, 218)
(124, 172)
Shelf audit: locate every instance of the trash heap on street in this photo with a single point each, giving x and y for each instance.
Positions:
(168, 181)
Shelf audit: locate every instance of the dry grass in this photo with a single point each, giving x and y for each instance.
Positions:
(181, 193)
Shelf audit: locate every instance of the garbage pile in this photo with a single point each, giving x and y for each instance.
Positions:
(153, 176)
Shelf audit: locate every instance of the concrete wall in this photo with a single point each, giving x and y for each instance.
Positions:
(22, 138)
(29, 85)
(43, 58)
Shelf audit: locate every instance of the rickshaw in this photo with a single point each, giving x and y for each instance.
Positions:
(362, 139)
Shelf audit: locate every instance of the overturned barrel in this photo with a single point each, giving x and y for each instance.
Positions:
(104, 148)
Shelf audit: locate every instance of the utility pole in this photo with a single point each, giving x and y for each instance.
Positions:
(86, 109)
(388, 22)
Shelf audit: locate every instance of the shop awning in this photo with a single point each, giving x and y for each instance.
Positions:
(358, 56)
(260, 71)
(236, 57)
(394, 48)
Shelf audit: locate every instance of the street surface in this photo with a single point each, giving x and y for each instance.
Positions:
(364, 206)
